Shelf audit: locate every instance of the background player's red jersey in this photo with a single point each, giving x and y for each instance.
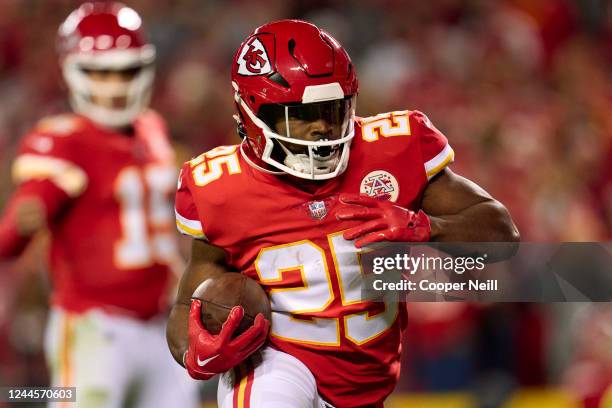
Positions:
(112, 235)
(291, 242)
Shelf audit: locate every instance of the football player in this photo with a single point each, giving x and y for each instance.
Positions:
(102, 180)
(293, 206)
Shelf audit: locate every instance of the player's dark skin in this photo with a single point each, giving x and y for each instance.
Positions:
(459, 211)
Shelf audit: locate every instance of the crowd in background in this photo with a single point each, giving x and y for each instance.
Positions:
(522, 89)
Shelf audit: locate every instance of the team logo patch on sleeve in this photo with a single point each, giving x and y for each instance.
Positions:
(380, 184)
(254, 58)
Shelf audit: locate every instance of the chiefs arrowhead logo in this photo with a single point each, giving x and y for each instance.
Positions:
(380, 184)
(253, 59)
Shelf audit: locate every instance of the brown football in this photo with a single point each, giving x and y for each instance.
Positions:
(221, 293)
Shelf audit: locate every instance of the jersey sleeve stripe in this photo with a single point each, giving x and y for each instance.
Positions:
(189, 227)
(64, 174)
(441, 160)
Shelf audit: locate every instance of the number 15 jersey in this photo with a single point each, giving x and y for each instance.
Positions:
(113, 235)
(291, 243)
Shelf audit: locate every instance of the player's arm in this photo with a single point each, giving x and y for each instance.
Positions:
(203, 354)
(32, 206)
(205, 262)
(47, 180)
(461, 211)
(453, 209)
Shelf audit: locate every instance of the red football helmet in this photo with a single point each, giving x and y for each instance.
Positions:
(106, 37)
(295, 91)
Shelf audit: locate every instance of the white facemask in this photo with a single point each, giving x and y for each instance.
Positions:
(137, 92)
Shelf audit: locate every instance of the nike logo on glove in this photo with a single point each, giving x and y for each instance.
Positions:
(202, 363)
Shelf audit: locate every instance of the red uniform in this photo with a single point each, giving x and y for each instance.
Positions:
(291, 242)
(111, 217)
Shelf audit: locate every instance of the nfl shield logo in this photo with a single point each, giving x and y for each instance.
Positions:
(317, 209)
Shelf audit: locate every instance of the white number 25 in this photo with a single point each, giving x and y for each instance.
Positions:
(316, 294)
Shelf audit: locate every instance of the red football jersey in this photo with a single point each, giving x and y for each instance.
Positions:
(114, 237)
(291, 242)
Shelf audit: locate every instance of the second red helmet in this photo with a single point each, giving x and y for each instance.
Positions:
(106, 36)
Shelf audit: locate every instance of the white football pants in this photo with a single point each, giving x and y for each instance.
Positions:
(278, 380)
(111, 359)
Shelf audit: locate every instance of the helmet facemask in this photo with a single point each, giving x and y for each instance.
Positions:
(136, 92)
(307, 140)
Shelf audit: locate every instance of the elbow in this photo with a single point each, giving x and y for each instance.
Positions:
(515, 235)
(176, 333)
(509, 232)
(503, 228)
(513, 238)
(504, 231)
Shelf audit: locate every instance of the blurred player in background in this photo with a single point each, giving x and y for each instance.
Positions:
(589, 374)
(289, 208)
(101, 180)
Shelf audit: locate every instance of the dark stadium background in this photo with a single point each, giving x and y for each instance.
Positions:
(522, 89)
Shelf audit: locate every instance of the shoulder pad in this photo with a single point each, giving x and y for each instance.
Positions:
(60, 125)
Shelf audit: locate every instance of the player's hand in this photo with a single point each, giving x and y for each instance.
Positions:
(30, 217)
(209, 355)
(382, 221)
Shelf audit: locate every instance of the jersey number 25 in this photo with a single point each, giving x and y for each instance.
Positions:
(292, 307)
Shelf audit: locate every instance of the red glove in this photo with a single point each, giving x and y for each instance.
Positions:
(209, 355)
(383, 221)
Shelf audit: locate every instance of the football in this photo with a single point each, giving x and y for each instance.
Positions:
(221, 293)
